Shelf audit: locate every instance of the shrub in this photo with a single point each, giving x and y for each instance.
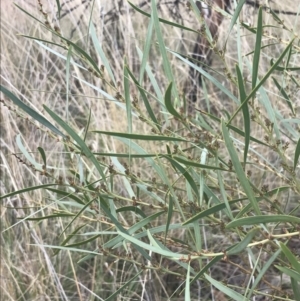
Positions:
(130, 192)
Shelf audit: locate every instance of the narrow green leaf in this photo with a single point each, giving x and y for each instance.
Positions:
(206, 75)
(170, 213)
(244, 243)
(285, 95)
(31, 112)
(279, 68)
(120, 228)
(256, 57)
(162, 48)
(297, 154)
(156, 86)
(70, 236)
(221, 206)
(157, 250)
(8, 195)
(140, 136)
(235, 16)
(168, 102)
(66, 195)
(296, 289)
(263, 219)
(78, 214)
(58, 9)
(195, 164)
(291, 257)
(134, 209)
(81, 143)
(69, 57)
(187, 293)
(289, 272)
(86, 128)
(83, 242)
(82, 53)
(101, 53)
(207, 267)
(125, 155)
(145, 100)
(162, 20)
(263, 271)
(267, 75)
(27, 154)
(246, 113)
(67, 249)
(46, 216)
(127, 97)
(226, 290)
(186, 174)
(239, 169)
(43, 155)
(31, 16)
(146, 50)
(118, 291)
(231, 127)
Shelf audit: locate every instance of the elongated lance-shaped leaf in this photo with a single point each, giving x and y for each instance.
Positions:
(145, 100)
(127, 97)
(35, 115)
(133, 209)
(262, 272)
(69, 57)
(120, 228)
(226, 290)
(187, 293)
(297, 154)
(68, 195)
(206, 75)
(221, 206)
(58, 8)
(196, 164)
(162, 48)
(262, 81)
(235, 129)
(235, 16)
(170, 213)
(162, 20)
(296, 289)
(207, 267)
(289, 272)
(43, 155)
(245, 112)
(10, 194)
(101, 53)
(80, 142)
(146, 50)
(70, 236)
(256, 57)
(140, 136)
(279, 68)
(183, 171)
(238, 248)
(78, 214)
(285, 95)
(239, 169)
(168, 102)
(291, 257)
(263, 219)
(128, 105)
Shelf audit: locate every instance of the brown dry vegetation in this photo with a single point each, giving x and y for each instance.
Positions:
(38, 77)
